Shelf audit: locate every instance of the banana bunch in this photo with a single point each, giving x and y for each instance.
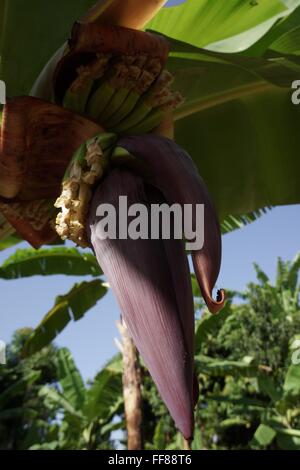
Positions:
(77, 95)
(115, 87)
(116, 77)
(86, 168)
(151, 107)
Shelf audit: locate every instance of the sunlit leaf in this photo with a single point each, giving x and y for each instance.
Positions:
(70, 378)
(264, 435)
(50, 261)
(71, 306)
(202, 22)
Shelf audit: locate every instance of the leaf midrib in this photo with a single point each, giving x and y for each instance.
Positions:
(40, 257)
(221, 98)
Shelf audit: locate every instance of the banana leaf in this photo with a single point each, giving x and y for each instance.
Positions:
(70, 378)
(220, 25)
(103, 398)
(50, 261)
(245, 102)
(71, 306)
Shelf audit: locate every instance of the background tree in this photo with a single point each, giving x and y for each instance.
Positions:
(24, 417)
(44, 403)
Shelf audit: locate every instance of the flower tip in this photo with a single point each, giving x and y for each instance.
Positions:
(186, 428)
(214, 306)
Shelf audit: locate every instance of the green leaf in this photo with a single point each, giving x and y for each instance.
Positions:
(288, 431)
(53, 396)
(13, 413)
(254, 161)
(159, 438)
(6, 233)
(227, 423)
(9, 241)
(210, 324)
(54, 445)
(20, 386)
(202, 22)
(292, 381)
(278, 31)
(31, 32)
(260, 274)
(288, 442)
(245, 402)
(45, 262)
(294, 272)
(197, 443)
(105, 395)
(264, 435)
(70, 378)
(232, 222)
(235, 98)
(218, 367)
(267, 386)
(73, 305)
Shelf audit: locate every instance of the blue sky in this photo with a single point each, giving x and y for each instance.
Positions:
(91, 340)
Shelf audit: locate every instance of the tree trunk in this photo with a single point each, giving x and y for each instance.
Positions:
(131, 390)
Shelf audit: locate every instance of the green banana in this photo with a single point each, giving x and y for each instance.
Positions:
(105, 141)
(149, 123)
(137, 115)
(156, 96)
(149, 70)
(114, 88)
(154, 118)
(99, 100)
(128, 105)
(129, 93)
(117, 100)
(76, 100)
(88, 76)
(86, 168)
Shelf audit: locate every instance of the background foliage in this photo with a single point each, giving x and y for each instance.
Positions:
(249, 387)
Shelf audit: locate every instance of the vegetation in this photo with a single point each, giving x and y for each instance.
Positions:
(45, 405)
(236, 69)
(249, 387)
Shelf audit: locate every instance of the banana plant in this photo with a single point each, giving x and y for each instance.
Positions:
(87, 412)
(46, 405)
(100, 124)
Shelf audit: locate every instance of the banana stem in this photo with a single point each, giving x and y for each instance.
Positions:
(131, 390)
(133, 14)
(96, 11)
(187, 445)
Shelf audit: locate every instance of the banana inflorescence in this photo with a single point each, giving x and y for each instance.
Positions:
(86, 168)
(110, 84)
(116, 77)
(110, 80)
